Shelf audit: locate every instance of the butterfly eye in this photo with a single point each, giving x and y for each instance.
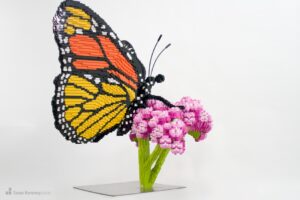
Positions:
(159, 78)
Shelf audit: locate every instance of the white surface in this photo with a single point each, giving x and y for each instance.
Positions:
(124, 188)
(240, 57)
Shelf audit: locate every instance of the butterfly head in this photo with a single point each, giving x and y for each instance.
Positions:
(151, 80)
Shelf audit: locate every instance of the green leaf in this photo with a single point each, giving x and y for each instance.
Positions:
(195, 134)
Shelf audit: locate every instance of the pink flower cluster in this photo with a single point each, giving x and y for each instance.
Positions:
(168, 126)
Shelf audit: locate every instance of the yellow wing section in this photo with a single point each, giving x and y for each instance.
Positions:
(91, 110)
(77, 19)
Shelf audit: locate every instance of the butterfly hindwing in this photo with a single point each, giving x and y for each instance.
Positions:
(86, 109)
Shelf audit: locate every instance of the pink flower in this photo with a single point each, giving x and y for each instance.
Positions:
(146, 112)
(204, 116)
(178, 129)
(189, 104)
(178, 147)
(167, 126)
(175, 112)
(138, 118)
(151, 102)
(165, 142)
(178, 123)
(189, 118)
(132, 137)
(153, 122)
(161, 115)
(203, 127)
(202, 136)
(157, 131)
(176, 133)
(156, 105)
(140, 129)
(204, 124)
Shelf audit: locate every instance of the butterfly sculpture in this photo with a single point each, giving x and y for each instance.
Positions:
(102, 81)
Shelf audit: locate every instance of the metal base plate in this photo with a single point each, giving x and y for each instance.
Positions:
(126, 188)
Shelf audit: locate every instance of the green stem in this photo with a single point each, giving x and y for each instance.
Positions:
(154, 155)
(156, 169)
(148, 164)
(144, 151)
(146, 160)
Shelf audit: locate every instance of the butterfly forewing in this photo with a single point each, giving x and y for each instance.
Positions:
(87, 42)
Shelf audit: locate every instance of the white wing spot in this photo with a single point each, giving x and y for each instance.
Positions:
(111, 80)
(129, 56)
(67, 50)
(120, 43)
(88, 76)
(112, 35)
(94, 22)
(79, 31)
(62, 51)
(93, 29)
(97, 80)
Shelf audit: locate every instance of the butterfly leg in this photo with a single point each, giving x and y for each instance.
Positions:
(165, 101)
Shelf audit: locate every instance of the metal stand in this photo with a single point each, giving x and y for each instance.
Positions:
(126, 188)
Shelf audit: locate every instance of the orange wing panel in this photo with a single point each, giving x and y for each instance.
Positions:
(116, 58)
(123, 78)
(83, 45)
(90, 64)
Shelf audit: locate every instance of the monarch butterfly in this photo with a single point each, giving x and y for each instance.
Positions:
(102, 81)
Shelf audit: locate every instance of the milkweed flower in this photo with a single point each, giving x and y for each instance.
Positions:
(165, 142)
(167, 127)
(178, 147)
(156, 133)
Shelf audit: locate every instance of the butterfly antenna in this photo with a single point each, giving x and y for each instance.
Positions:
(158, 57)
(153, 53)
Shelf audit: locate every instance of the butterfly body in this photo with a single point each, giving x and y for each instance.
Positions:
(143, 94)
(102, 81)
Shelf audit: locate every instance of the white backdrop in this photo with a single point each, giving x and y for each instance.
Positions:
(241, 58)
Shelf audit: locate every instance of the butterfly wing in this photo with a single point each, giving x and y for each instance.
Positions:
(87, 43)
(85, 109)
(100, 75)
